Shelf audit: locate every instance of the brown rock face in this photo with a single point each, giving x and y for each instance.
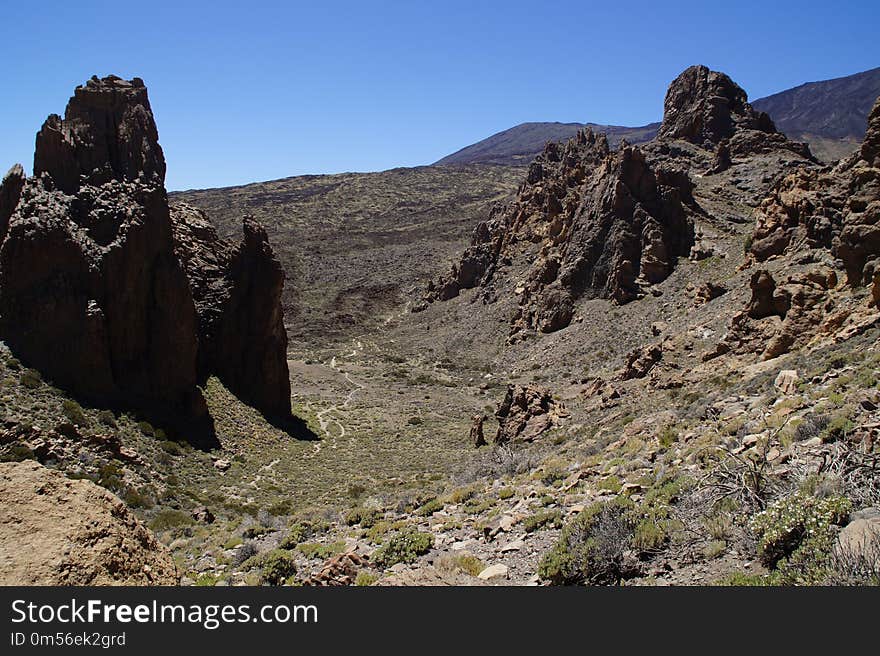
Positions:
(10, 192)
(477, 437)
(93, 290)
(108, 133)
(706, 107)
(710, 110)
(57, 531)
(870, 150)
(237, 291)
(608, 223)
(836, 209)
(526, 412)
(781, 317)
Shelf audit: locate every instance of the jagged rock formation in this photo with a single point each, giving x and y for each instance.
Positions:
(709, 109)
(526, 412)
(108, 133)
(836, 209)
(608, 223)
(92, 290)
(237, 291)
(611, 223)
(57, 531)
(10, 192)
(705, 107)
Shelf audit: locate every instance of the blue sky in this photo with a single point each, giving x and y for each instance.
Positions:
(247, 91)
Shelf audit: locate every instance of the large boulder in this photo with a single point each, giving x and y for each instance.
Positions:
(57, 531)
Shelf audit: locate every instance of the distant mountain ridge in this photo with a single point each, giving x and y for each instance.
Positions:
(830, 115)
(522, 143)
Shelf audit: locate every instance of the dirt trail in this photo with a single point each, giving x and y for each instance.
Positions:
(325, 418)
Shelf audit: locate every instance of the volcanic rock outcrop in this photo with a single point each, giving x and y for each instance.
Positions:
(709, 109)
(836, 209)
(93, 289)
(525, 412)
(57, 531)
(237, 291)
(607, 224)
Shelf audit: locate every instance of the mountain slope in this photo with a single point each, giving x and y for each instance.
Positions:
(829, 115)
(520, 144)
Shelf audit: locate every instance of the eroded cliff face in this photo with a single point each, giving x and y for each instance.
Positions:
(93, 292)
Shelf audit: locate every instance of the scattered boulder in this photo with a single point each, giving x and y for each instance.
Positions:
(57, 531)
(640, 361)
(493, 572)
(859, 541)
(477, 437)
(708, 291)
(787, 381)
(341, 569)
(203, 515)
(526, 412)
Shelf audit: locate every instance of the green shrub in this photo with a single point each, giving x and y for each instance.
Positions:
(169, 518)
(366, 517)
(18, 453)
(796, 535)
(542, 520)
(414, 421)
(591, 547)
(668, 436)
(320, 551)
(279, 508)
(74, 412)
(276, 566)
(365, 578)
(430, 508)
(138, 498)
(403, 547)
(506, 493)
(106, 417)
(838, 428)
(298, 533)
(146, 428)
(170, 447)
(468, 564)
(31, 378)
(462, 494)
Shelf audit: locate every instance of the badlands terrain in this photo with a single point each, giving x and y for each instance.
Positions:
(648, 364)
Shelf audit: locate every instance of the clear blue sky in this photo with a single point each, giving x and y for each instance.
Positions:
(246, 91)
